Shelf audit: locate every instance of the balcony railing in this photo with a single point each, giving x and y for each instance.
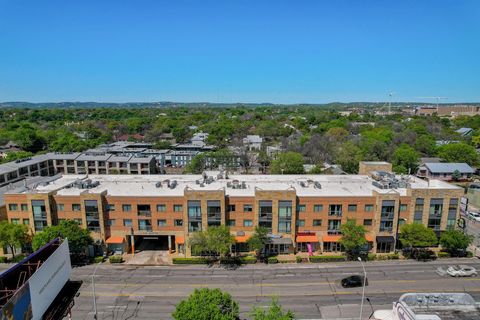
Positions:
(144, 213)
(334, 232)
(94, 229)
(145, 228)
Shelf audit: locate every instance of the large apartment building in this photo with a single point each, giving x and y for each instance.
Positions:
(297, 209)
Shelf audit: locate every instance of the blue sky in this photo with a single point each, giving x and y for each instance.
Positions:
(239, 51)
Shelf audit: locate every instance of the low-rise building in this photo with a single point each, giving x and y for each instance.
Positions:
(445, 171)
(297, 209)
(252, 142)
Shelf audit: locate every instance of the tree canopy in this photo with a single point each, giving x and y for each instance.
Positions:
(273, 312)
(207, 304)
(78, 238)
(288, 163)
(417, 235)
(258, 239)
(458, 152)
(216, 241)
(353, 236)
(13, 235)
(455, 240)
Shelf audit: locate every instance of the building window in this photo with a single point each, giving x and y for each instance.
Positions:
(451, 224)
(26, 222)
(302, 208)
(335, 210)
(384, 247)
(367, 222)
(161, 208)
(247, 208)
(110, 207)
(369, 207)
(13, 207)
(214, 212)
(110, 222)
(60, 207)
(301, 223)
(436, 207)
(247, 223)
(78, 221)
(334, 226)
(418, 214)
(434, 223)
(161, 223)
(265, 214)
(177, 208)
(231, 223)
(231, 208)
(318, 208)
(352, 208)
(127, 222)
(332, 247)
(24, 207)
(144, 210)
(15, 221)
(178, 222)
(403, 207)
(126, 207)
(76, 207)
(317, 222)
(194, 216)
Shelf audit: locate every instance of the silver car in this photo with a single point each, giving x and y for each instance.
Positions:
(461, 271)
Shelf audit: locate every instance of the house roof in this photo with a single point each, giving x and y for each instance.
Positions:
(449, 167)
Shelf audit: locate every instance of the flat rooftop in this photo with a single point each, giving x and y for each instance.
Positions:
(235, 185)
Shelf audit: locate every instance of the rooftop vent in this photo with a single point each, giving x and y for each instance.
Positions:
(317, 185)
(173, 184)
(158, 184)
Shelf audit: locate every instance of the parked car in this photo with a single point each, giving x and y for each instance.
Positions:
(474, 216)
(354, 281)
(461, 271)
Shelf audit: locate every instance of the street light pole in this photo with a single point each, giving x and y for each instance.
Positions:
(93, 292)
(363, 289)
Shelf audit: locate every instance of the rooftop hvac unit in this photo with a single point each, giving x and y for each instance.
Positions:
(244, 185)
(317, 185)
(197, 181)
(167, 182)
(303, 184)
(173, 184)
(158, 184)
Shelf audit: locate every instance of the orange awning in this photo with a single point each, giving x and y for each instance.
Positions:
(115, 240)
(369, 238)
(307, 239)
(331, 238)
(179, 240)
(241, 239)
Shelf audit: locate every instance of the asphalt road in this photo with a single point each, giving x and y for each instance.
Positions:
(312, 291)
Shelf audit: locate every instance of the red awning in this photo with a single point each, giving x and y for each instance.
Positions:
(331, 238)
(369, 238)
(179, 240)
(115, 240)
(310, 238)
(241, 239)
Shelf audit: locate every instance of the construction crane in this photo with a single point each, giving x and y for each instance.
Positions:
(434, 98)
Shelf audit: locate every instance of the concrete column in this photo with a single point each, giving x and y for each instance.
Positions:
(170, 244)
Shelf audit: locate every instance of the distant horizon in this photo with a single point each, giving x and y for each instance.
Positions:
(238, 102)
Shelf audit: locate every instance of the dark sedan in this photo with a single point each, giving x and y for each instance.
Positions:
(354, 281)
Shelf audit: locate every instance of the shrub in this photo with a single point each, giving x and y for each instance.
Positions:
(272, 260)
(98, 259)
(371, 257)
(469, 254)
(393, 256)
(298, 259)
(190, 261)
(115, 259)
(18, 258)
(319, 259)
(443, 254)
(248, 260)
(3, 259)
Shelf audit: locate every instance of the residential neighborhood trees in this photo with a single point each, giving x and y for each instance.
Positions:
(288, 163)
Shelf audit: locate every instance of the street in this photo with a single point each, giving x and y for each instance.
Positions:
(312, 291)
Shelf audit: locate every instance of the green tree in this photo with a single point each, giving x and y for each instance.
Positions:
(216, 240)
(78, 238)
(455, 240)
(207, 304)
(163, 144)
(12, 156)
(405, 159)
(196, 165)
(353, 236)
(348, 157)
(274, 312)
(13, 236)
(458, 152)
(456, 175)
(417, 235)
(287, 163)
(258, 240)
